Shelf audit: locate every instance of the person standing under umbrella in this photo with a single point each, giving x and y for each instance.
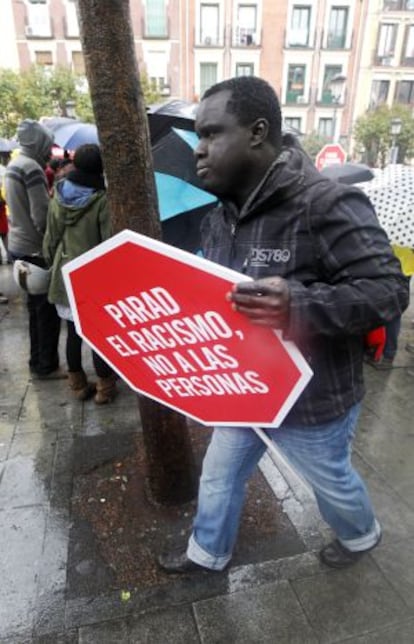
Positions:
(78, 219)
(27, 201)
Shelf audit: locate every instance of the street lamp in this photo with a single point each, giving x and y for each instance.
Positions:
(70, 109)
(336, 86)
(395, 129)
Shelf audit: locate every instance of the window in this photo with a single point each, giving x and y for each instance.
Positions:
(330, 72)
(299, 27)
(338, 21)
(386, 43)
(208, 76)
(209, 24)
(293, 123)
(246, 24)
(379, 92)
(44, 58)
(325, 127)
(296, 84)
(72, 26)
(408, 51)
(405, 92)
(244, 69)
(155, 19)
(78, 62)
(38, 20)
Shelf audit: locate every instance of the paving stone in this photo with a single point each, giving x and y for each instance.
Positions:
(266, 614)
(345, 603)
(21, 542)
(396, 561)
(397, 633)
(158, 627)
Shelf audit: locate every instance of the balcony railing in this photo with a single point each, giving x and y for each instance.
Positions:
(299, 39)
(297, 97)
(161, 34)
(209, 40)
(39, 30)
(336, 41)
(325, 98)
(398, 5)
(243, 37)
(385, 60)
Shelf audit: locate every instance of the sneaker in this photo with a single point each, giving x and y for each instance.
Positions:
(3, 299)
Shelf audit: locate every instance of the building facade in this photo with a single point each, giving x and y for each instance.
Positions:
(185, 46)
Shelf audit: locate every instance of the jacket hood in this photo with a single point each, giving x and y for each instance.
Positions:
(74, 200)
(35, 140)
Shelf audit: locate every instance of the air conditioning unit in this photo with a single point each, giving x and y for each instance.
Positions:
(207, 40)
(29, 30)
(301, 100)
(166, 91)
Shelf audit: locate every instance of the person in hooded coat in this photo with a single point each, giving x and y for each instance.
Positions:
(27, 201)
(78, 219)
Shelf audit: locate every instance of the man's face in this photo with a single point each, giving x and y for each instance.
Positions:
(223, 153)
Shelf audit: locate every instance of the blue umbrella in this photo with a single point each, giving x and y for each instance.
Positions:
(71, 135)
(6, 145)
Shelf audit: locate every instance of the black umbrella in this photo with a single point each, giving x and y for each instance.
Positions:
(183, 202)
(348, 172)
(162, 117)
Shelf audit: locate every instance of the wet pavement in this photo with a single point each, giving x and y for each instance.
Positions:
(292, 598)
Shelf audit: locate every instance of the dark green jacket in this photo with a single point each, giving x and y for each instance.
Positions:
(78, 219)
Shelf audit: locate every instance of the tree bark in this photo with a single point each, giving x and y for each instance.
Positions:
(120, 115)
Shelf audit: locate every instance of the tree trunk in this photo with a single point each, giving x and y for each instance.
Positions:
(118, 105)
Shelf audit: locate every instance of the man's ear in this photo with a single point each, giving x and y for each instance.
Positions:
(260, 131)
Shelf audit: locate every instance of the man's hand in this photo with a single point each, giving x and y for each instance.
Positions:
(264, 301)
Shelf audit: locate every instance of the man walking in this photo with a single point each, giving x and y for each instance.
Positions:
(28, 200)
(324, 275)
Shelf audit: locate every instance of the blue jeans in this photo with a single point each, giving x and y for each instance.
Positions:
(321, 454)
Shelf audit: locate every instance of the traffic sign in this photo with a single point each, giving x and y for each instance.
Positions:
(159, 316)
(330, 154)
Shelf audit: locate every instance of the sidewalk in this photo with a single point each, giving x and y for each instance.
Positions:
(286, 599)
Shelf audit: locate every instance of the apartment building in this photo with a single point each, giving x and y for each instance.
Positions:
(299, 46)
(386, 70)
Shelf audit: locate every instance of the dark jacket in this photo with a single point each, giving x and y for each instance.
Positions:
(325, 239)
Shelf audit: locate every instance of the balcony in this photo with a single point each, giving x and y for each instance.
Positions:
(209, 40)
(162, 32)
(398, 5)
(244, 37)
(336, 41)
(296, 97)
(39, 28)
(325, 98)
(299, 39)
(385, 60)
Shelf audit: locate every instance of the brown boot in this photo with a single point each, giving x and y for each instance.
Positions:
(105, 390)
(82, 389)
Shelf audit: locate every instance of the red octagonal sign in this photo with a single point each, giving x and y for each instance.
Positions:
(331, 154)
(160, 317)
